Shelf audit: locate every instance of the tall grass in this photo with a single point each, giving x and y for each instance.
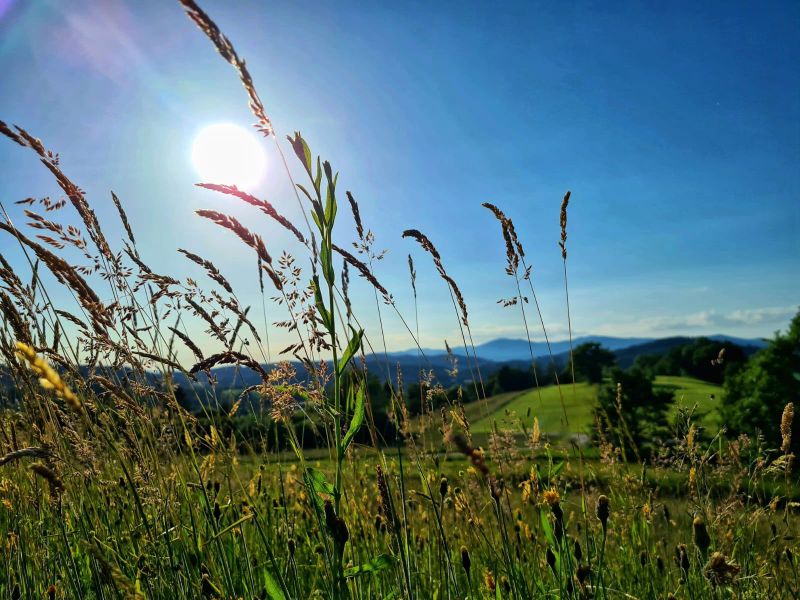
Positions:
(111, 488)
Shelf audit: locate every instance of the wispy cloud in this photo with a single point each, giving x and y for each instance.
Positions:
(710, 321)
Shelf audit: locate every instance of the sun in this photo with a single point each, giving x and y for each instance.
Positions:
(229, 154)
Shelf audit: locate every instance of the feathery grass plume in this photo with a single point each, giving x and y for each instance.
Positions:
(66, 275)
(123, 216)
(356, 215)
(210, 268)
(229, 357)
(363, 270)
(189, 343)
(563, 221)
(251, 239)
(346, 290)
(512, 248)
(786, 427)
(262, 205)
(11, 134)
(32, 452)
(54, 482)
(73, 192)
(119, 393)
(227, 51)
(413, 273)
(14, 319)
(48, 377)
(700, 535)
(387, 508)
(428, 246)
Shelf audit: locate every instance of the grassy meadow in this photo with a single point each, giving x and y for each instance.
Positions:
(511, 410)
(111, 489)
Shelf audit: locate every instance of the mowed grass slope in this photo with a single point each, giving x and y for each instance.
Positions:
(515, 409)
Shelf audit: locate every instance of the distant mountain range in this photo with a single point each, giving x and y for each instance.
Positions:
(491, 356)
(510, 349)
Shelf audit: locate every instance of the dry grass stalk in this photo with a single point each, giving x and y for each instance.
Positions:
(211, 269)
(563, 220)
(364, 271)
(189, 343)
(227, 51)
(67, 275)
(262, 205)
(229, 357)
(428, 246)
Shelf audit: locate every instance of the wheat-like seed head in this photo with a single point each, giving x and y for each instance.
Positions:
(786, 427)
(48, 377)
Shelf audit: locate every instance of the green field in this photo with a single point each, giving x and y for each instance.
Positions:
(512, 409)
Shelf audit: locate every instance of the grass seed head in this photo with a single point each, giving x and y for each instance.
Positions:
(786, 427)
(603, 510)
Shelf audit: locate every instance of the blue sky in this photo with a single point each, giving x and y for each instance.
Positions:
(676, 127)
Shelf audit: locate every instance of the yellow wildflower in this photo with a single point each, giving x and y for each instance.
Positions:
(551, 496)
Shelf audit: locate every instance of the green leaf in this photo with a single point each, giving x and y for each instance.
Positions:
(320, 304)
(357, 420)
(376, 564)
(273, 589)
(302, 151)
(547, 528)
(557, 469)
(318, 178)
(317, 484)
(352, 348)
(305, 191)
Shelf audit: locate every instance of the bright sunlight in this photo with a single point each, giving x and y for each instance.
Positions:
(229, 154)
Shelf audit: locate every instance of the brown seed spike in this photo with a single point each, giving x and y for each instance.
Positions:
(563, 219)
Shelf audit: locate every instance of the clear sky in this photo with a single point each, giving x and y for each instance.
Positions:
(675, 125)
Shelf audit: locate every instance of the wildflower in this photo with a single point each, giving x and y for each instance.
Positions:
(488, 581)
(720, 570)
(443, 487)
(51, 592)
(551, 497)
(603, 510)
(692, 479)
(49, 379)
(701, 538)
(578, 551)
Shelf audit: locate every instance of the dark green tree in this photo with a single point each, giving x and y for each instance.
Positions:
(756, 394)
(591, 360)
(632, 413)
